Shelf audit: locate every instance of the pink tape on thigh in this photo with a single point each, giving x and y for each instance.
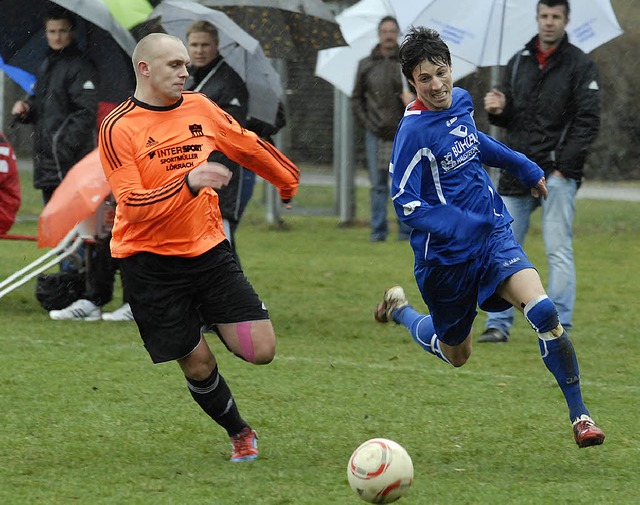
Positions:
(246, 342)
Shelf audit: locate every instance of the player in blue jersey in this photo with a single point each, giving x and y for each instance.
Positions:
(465, 252)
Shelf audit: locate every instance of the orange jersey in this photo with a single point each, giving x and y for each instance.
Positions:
(146, 153)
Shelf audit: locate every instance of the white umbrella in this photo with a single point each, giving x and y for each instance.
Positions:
(489, 32)
(240, 50)
(359, 26)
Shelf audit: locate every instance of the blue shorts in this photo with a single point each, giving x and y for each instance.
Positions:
(453, 292)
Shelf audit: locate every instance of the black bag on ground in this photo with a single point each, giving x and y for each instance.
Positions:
(59, 290)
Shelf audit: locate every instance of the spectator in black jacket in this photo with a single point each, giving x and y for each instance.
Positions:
(64, 111)
(549, 104)
(211, 75)
(64, 105)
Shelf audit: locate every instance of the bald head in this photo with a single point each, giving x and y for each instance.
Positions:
(160, 62)
(151, 46)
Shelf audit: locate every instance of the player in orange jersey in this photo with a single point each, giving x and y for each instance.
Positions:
(168, 234)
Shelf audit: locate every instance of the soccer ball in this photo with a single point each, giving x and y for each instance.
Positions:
(380, 471)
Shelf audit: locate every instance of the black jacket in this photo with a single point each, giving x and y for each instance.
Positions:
(227, 89)
(552, 115)
(63, 110)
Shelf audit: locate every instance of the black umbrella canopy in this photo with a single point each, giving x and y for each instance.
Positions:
(23, 44)
(288, 29)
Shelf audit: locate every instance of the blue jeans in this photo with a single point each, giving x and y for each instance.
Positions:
(558, 212)
(378, 156)
(379, 189)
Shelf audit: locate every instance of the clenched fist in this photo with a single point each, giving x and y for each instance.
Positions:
(211, 174)
(494, 102)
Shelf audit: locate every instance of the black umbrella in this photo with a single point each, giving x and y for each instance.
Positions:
(23, 43)
(285, 28)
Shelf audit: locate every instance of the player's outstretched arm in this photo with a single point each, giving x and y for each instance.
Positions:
(247, 149)
(496, 154)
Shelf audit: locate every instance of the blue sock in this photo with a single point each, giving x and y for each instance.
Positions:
(421, 328)
(557, 352)
(559, 356)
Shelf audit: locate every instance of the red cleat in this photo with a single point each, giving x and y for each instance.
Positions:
(245, 446)
(586, 433)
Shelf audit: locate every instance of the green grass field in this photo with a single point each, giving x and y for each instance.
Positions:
(85, 418)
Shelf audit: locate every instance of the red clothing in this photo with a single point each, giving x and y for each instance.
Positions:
(542, 56)
(418, 105)
(9, 185)
(103, 111)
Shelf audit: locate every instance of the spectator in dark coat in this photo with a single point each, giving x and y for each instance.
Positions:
(549, 105)
(378, 100)
(211, 75)
(64, 105)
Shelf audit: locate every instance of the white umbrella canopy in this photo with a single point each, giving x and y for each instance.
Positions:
(240, 50)
(359, 26)
(356, 21)
(489, 32)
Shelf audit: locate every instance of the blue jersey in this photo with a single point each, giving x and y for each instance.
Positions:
(439, 185)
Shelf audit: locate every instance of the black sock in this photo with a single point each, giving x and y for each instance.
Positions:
(215, 398)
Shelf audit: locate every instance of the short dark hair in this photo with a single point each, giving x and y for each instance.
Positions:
(422, 44)
(554, 3)
(55, 13)
(388, 18)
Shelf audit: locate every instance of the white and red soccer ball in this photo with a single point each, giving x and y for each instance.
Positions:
(380, 471)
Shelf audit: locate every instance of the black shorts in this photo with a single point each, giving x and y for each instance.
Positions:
(172, 298)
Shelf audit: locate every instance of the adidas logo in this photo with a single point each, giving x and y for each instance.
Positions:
(196, 129)
(151, 142)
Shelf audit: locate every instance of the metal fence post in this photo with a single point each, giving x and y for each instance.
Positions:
(343, 158)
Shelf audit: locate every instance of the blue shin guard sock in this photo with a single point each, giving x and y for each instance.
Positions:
(559, 356)
(557, 352)
(421, 328)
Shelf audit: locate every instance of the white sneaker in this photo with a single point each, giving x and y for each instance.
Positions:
(121, 314)
(394, 298)
(80, 310)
